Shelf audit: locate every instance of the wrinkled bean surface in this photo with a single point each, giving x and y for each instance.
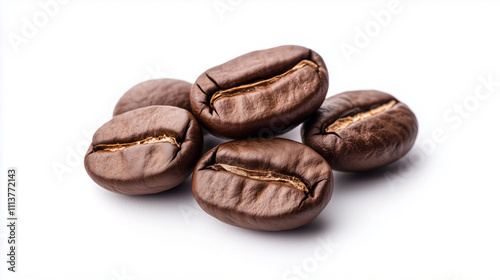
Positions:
(262, 93)
(145, 151)
(263, 184)
(155, 92)
(361, 130)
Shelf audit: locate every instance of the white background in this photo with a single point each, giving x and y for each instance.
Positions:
(433, 215)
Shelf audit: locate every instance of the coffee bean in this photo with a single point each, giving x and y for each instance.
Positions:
(263, 184)
(144, 151)
(262, 93)
(361, 130)
(155, 92)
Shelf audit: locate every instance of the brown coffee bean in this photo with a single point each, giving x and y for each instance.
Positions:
(155, 92)
(361, 130)
(263, 184)
(262, 93)
(144, 151)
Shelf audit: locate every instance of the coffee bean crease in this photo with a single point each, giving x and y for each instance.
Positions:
(262, 175)
(342, 123)
(220, 94)
(149, 140)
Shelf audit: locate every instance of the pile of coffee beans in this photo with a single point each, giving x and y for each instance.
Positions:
(155, 139)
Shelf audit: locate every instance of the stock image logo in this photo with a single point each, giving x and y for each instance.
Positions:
(309, 265)
(32, 26)
(363, 36)
(222, 7)
(453, 118)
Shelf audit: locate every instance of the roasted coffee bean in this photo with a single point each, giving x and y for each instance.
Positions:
(263, 184)
(155, 92)
(144, 151)
(262, 93)
(361, 130)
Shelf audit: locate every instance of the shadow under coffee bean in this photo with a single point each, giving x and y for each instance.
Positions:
(267, 184)
(361, 130)
(145, 151)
